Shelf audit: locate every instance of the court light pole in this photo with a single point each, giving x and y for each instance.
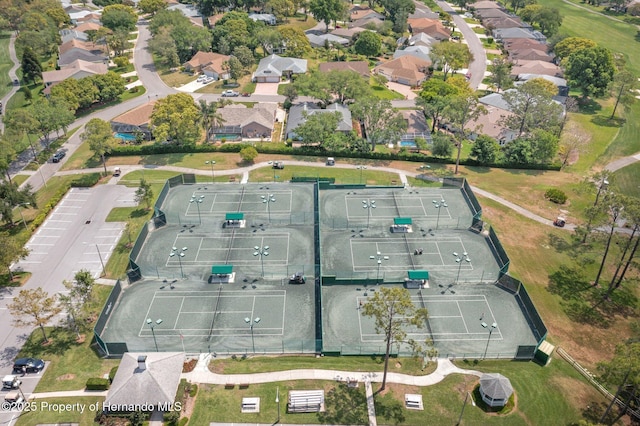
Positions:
(278, 402)
(212, 163)
(251, 324)
(466, 398)
(368, 204)
(361, 168)
(460, 259)
(378, 258)
(438, 205)
(197, 202)
(491, 328)
(262, 252)
(268, 199)
(180, 254)
(152, 324)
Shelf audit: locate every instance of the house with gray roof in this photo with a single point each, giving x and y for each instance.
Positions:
(71, 34)
(239, 122)
(495, 389)
(321, 40)
(421, 52)
(510, 33)
(149, 380)
(272, 68)
(298, 115)
(267, 18)
(496, 100)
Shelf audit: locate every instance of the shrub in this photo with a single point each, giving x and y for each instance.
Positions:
(183, 421)
(121, 61)
(97, 383)
(86, 181)
(555, 196)
(112, 373)
(134, 89)
(171, 418)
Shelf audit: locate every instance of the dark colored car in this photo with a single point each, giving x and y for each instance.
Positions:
(31, 365)
(58, 156)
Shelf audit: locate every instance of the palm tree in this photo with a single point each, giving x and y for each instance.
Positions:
(209, 117)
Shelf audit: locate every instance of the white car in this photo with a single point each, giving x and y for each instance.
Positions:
(230, 94)
(208, 80)
(201, 78)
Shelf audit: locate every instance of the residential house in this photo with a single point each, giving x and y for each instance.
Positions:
(357, 13)
(514, 44)
(485, 5)
(508, 22)
(88, 26)
(77, 49)
(240, 122)
(272, 68)
(299, 112)
(77, 69)
(267, 18)
(431, 27)
(361, 67)
(347, 32)
(321, 40)
(490, 124)
(407, 70)
(208, 63)
(483, 14)
(84, 16)
(72, 34)
(136, 120)
(516, 56)
(416, 125)
(424, 12)
(560, 83)
(213, 19)
(367, 24)
(496, 100)
(421, 52)
(145, 380)
(536, 67)
(511, 33)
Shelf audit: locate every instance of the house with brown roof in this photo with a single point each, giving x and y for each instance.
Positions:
(491, 13)
(77, 49)
(537, 67)
(407, 70)
(431, 27)
(416, 125)
(513, 44)
(361, 67)
(516, 56)
(485, 5)
(88, 26)
(491, 124)
(208, 63)
(366, 23)
(214, 18)
(239, 122)
(77, 69)
(347, 32)
(89, 17)
(504, 22)
(358, 13)
(136, 120)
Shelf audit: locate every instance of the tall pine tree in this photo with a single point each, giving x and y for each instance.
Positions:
(31, 68)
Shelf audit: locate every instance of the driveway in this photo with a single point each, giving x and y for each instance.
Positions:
(266, 88)
(403, 89)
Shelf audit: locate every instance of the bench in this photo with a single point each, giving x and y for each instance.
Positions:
(232, 178)
(306, 401)
(229, 386)
(243, 385)
(413, 401)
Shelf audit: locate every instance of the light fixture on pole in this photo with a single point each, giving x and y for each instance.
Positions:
(278, 402)
(251, 324)
(152, 324)
(466, 398)
(212, 163)
(378, 258)
(491, 328)
(197, 202)
(438, 205)
(368, 204)
(361, 168)
(262, 252)
(21, 215)
(268, 199)
(174, 252)
(460, 259)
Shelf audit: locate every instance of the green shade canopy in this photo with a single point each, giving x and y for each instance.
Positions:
(402, 221)
(222, 269)
(419, 275)
(234, 216)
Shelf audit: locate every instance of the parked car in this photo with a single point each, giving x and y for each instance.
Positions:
(28, 365)
(201, 78)
(278, 165)
(10, 382)
(331, 161)
(58, 156)
(208, 80)
(16, 82)
(13, 401)
(230, 94)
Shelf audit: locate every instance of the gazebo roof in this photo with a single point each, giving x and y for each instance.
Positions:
(496, 386)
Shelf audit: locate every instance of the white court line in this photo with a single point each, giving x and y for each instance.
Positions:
(440, 254)
(175, 324)
(146, 315)
(463, 321)
(360, 320)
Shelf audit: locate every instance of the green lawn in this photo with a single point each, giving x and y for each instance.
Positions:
(5, 64)
(46, 412)
(627, 140)
(382, 92)
(343, 176)
(628, 180)
(19, 179)
(69, 364)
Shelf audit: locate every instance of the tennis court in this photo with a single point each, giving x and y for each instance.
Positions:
(460, 320)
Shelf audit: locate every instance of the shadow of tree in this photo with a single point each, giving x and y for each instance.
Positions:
(389, 408)
(601, 120)
(345, 405)
(589, 106)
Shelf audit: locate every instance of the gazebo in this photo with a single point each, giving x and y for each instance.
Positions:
(495, 389)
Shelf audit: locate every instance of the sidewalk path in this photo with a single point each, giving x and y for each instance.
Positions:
(371, 406)
(12, 76)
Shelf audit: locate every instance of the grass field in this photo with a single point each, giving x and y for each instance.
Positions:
(5, 64)
(382, 92)
(352, 176)
(628, 180)
(45, 412)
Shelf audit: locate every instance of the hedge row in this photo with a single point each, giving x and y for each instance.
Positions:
(97, 384)
(269, 148)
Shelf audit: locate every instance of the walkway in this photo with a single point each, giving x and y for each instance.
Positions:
(12, 76)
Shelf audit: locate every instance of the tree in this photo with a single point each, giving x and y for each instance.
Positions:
(368, 44)
(208, 114)
(518, 4)
(7, 155)
(79, 293)
(327, 10)
(342, 86)
(269, 38)
(564, 48)
(318, 127)
(547, 18)
(118, 41)
(152, 6)
(234, 67)
(244, 55)
(518, 151)
(500, 77)
(31, 67)
(573, 141)
(544, 144)
(393, 311)
(99, 136)
(110, 86)
(119, 16)
(615, 204)
(163, 45)
(434, 98)
(591, 70)
(12, 196)
(296, 41)
(12, 251)
(485, 149)
(382, 123)
(441, 145)
(144, 194)
(281, 9)
(463, 109)
(174, 118)
(532, 107)
(623, 371)
(451, 56)
(37, 306)
(248, 154)
(623, 89)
